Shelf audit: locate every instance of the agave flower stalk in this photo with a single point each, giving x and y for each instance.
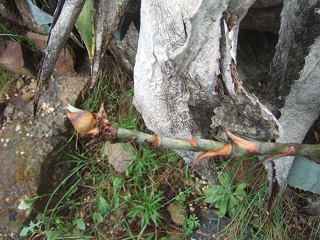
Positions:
(82, 120)
(99, 128)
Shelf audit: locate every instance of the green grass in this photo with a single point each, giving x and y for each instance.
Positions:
(7, 79)
(22, 39)
(96, 202)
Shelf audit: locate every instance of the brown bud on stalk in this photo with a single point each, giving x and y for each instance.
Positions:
(82, 120)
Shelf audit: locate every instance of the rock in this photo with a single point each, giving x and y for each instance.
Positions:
(264, 19)
(66, 61)
(119, 155)
(266, 3)
(12, 58)
(30, 150)
(312, 209)
(125, 50)
(210, 223)
(27, 95)
(177, 212)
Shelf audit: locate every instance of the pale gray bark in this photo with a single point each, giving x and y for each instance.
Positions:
(180, 106)
(58, 37)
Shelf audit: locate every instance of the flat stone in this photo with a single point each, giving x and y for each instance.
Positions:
(30, 152)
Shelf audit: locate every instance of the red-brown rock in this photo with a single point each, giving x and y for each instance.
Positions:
(66, 60)
(12, 58)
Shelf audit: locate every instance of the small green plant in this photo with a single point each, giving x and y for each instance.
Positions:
(32, 228)
(190, 225)
(145, 205)
(226, 197)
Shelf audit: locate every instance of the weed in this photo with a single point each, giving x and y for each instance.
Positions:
(24, 40)
(227, 196)
(190, 224)
(145, 204)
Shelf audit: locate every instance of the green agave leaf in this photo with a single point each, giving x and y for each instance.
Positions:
(305, 174)
(85, 26)
(42, 18)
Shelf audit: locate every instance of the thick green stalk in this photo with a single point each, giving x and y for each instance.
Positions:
(204, 145)
(239, 147)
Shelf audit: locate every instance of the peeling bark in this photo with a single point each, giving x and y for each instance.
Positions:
(125, 50)
(265, 124)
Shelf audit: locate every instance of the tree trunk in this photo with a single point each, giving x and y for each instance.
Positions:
(186, 73)
(186, 61)
(295, 75)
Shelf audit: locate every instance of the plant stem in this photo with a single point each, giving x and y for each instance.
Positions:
(204, 145)
(239, 147)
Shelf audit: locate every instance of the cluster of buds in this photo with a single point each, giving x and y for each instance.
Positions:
(87, 124)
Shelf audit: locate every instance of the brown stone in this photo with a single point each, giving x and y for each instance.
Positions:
(27, 95)
(66, 61)
(11, 57)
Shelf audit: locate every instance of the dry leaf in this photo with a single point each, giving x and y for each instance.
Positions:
(119, 155)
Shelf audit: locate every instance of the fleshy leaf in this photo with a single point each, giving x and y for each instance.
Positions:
(305, 174)
(40, 16)
(85, 27)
